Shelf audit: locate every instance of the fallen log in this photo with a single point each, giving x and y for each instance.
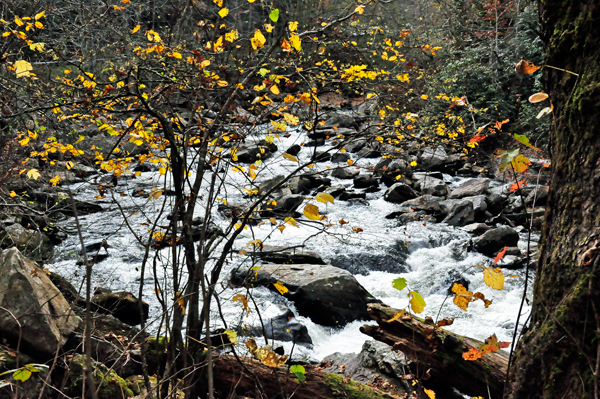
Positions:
(252, 379)
(439, 352)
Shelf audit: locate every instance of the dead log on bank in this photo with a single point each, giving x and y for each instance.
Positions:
(255, 380)
(440, 352)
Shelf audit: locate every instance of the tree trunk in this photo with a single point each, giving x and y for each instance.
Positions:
(439, 353)
(559, 356)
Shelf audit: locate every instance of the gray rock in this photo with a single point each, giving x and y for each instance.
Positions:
(399, 192)
(284, 327)
(345, 173)
(427, 203)
(363, 263)
(326, 294)
(277, 254)
(32, 243)
(432, 157)
(289, 203)
(470, 188)
(122, 305)
(340, 157)
(494, 240)
(45, 316)
(476, 228)
(431, 185)
(364, 181)
(461, 214)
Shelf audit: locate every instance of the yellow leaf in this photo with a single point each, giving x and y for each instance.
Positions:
(69, 164)
(33, 174)
(162, 170)
(424, 96)
(155, 193)
(39, 25)
(324, 198)
(153, 36)
(258, 40)
(290, 157)
(279, 125)
(538, 97)
(493, 278)
(19, 22)
(417, 303)
(231, 36)
(296, 42)
(222, 83)
(55, 180)
(218, 2)
(359, 9)
(5, 34)
(232, 336)
(293, 26)
(397, 316)
(286, 46)
(291, 119)
(22, 68)
(280, 287)
(12, 193)
(37, 46)
(312, 212)
(463, 297)
(204, 64)
(175, 54)
(269, 28)
(273, 221)
(275, 90)
(223, 13)
(429, 393)
(290, 220)
(40, 15)
(137, 27)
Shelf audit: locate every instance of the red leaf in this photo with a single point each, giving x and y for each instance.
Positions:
(499, 256)
(477, 139)
(502, 344)
(518, 185)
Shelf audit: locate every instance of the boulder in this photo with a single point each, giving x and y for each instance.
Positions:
(427, 203)
(45, 316)
(431, 158)
(363, 263)
(294, 149)
(494, 240)
(476, 228)
(340, 157)
(399, 192)
(347, 195)
(122, 305)
(376, 361)
(268, 185)
(470, 188)
(326, 294)
(365, 181)
(32, 243)
(110, 385)
(284, 327)
(288, 204)
(300, 185)
(432, 186)
(540, 196)
(462, 213)
(345, 173)
(251, 152)
(276, 254)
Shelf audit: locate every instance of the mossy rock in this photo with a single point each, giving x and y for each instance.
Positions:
(343, 388)
(111, 386)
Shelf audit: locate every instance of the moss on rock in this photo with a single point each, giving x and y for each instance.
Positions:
(108, 383)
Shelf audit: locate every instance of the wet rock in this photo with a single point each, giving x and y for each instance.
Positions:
(494, 240)
(432, 186)
(355, 146)
(368, 152)
(286, 255)
(250, 153)
(470, 188)
(122, 305)
(288, 204)
(284, 327)
(322, 156)
(364, 263)
(326, 294)
(316, 142)
(339, 157)
(462, 213)
(476, 228)
(268, 185)
(345, 173)
(300, 185)
(347, 195)
(393, 169)
(427, 203)
(364, 181)
(294, 150)
(45, 316)
(540, 196)
(399, 192)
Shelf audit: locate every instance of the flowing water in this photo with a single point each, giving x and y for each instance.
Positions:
(436, 255)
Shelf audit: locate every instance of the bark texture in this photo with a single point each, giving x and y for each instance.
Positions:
(439, 353)
(559, 356)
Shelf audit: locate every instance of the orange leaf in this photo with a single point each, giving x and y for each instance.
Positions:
(472, 354)
(477, 139)
(500, 255)
(518, 185)
(526, 68)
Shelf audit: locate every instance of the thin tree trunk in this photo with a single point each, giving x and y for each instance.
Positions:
(558, 356)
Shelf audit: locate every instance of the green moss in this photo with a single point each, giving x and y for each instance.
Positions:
(351, 389)
(108, 382)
